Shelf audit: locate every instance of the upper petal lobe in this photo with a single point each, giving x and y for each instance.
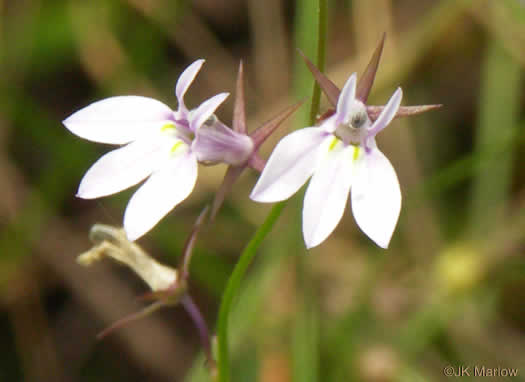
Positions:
(205, 110)
(388, 113)
(185, 80)
(346, 99)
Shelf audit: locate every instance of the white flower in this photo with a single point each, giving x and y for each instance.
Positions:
(339, 154)
(159, 145)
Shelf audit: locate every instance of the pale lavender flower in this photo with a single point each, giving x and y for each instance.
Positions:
(340, 156)
(160, 145)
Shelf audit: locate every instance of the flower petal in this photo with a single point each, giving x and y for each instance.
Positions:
(346, 98)
(388, 113)
(185, 80)
(327, 194)
(205, 110)
(376, 197)
(123, 167)
(160, 194)
(292, 162)
(118, 120)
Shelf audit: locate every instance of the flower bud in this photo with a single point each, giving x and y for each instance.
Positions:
(112, 242)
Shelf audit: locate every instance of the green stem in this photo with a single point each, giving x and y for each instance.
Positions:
(305, 334)
(233, 286)
(248, 254)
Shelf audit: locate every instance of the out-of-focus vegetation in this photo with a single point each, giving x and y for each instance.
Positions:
(449, 291)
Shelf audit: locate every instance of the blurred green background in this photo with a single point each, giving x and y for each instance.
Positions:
(449, 291)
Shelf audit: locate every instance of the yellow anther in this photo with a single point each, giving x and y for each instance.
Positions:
(334, 143)
(167, 126)
(357, 151)
(176, 146)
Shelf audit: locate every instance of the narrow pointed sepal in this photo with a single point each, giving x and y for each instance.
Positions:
(263, 132)
(239, 114)
(403, 111)
(130, 318)
(327, 86)
(327, 114)
(367, 79)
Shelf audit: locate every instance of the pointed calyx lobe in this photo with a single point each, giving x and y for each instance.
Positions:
(364, 86)
(367, 79)
(239, 114)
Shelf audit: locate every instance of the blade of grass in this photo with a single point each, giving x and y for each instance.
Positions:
(232, 287)
(499, 109)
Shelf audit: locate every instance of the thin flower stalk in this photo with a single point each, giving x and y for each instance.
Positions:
(248, 254)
